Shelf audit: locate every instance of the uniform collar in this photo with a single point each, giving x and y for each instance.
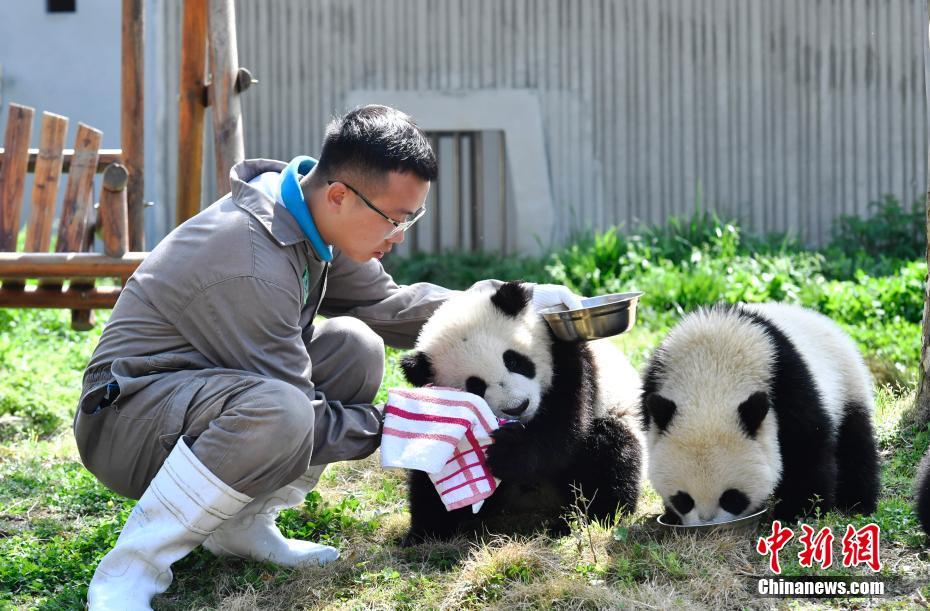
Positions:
(273, 216)
(293, 197)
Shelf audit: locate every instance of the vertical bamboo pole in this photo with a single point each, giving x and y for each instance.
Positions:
(132, 122)
(224, 68)
(191, 109)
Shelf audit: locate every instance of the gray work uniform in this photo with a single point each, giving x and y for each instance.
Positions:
(213, 338)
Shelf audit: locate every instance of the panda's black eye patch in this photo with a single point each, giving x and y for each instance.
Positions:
(682, 502)
(476, 386)
(734, 501)
(517, 363)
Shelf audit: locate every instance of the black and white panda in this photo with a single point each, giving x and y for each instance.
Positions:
(923, 493)
(577, 407)
(741, 402)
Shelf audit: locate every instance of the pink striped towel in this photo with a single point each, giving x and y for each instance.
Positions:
(444, 432)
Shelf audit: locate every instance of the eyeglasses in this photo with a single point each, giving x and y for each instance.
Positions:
(399, 226)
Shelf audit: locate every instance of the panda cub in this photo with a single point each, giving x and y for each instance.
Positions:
(923, 493)
(574, 409)
(741, 402)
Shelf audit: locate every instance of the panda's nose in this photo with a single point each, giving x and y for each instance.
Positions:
(516, 411)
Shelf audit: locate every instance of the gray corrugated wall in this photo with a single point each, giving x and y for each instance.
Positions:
(783, 113)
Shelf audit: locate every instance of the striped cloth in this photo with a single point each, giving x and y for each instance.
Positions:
(444, 432)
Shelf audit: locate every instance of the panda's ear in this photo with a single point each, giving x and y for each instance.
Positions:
(418, 368)
(512, 297)
(752, 412)
(660, 410)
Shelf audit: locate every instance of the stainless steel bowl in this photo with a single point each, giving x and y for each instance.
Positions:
(602, 316)
(748, 522)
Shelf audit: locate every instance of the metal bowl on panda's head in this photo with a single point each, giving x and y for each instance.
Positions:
(745, 523)
(599, 317)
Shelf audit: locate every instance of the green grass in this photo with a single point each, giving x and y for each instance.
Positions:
(57, 521)
(42, 361)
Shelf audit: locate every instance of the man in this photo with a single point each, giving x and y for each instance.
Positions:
(213, 397)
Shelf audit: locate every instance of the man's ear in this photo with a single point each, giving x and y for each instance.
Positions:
(417, 368)
(334, 196)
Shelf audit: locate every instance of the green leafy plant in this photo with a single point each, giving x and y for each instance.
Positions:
(879, 243)
(321, 522)
(459, 270)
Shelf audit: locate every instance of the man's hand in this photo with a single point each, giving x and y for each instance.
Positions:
(550, 295)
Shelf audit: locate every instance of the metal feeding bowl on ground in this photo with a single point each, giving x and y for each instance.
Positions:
(599, 317)
(747, 522)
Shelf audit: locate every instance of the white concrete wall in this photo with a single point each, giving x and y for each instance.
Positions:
(784, 113)
(69, 64)
(66, 63)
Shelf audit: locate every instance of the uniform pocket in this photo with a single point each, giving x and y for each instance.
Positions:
(172, 424)
(89, 405)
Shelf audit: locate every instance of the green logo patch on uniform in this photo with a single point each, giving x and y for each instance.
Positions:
(305, 281)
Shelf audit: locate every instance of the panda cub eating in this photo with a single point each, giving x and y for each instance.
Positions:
(741, 402)
(573, 410)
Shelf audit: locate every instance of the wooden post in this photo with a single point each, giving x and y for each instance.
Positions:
(75, 210)
(79, 192)
(191, 109)
(12, 177)
(13, 173)
(82, 320)
(132, 121)
(112, 217)
(227, 113)
(45, 183)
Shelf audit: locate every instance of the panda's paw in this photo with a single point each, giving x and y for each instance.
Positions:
(416, 537)
(507, 456)
(509, 430)
(670, 517)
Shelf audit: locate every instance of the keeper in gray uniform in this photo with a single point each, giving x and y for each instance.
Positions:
(214, 397)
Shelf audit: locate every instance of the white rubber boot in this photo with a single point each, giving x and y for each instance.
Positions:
(183, 504)
(253, 533)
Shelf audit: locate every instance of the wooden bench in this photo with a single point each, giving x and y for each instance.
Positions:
(65, 278)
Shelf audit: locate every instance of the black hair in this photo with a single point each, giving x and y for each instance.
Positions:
(378, 139)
